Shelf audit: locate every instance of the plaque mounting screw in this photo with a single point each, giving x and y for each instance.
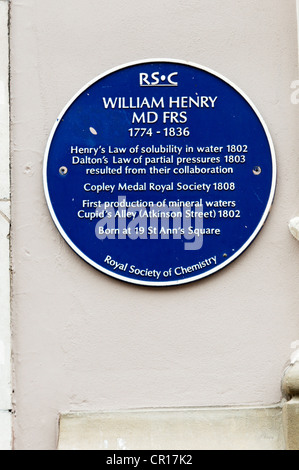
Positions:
(257, 170)
(63, 170)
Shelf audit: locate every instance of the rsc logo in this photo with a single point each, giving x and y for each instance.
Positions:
(157, 80)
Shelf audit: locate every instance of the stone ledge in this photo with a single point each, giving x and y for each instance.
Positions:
(290, 388)
(179, 429)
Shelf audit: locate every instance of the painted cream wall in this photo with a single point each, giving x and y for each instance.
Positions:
(83, 341)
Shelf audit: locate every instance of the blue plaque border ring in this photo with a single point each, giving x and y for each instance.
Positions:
(161, 282)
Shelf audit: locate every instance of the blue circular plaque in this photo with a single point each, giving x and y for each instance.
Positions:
(159, 173)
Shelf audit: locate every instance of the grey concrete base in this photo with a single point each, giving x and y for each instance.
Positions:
(192, 429)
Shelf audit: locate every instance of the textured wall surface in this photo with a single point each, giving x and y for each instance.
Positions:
(83, 341)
